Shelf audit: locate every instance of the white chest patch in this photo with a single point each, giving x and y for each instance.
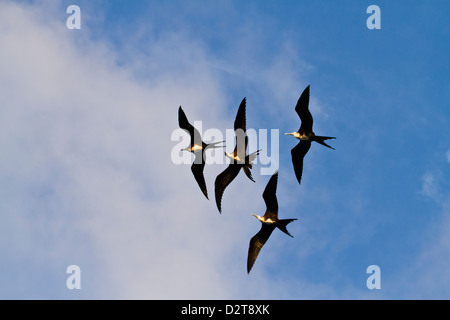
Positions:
(196, 147)
(235, 158)
(301, 136)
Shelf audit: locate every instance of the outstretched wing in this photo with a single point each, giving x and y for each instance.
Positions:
(249, 164)
(197, 170)
(256, 244)
(184, 124)
(298, 153)
(302, 109)
(223, 180)
(248, 172)
(240, 122)
(240, 128)
(270, 197)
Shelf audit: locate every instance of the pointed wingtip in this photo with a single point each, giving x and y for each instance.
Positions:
(299, 179)
(205, 192)
(275, 175)
(306, 92)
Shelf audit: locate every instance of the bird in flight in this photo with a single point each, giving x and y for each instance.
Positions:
(197, 147)
(305, 134)
(239, 159)
(269, 222)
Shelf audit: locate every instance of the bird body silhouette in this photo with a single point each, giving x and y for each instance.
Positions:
(305, 134)
(269, 222)
(239, 159)
(197, 147)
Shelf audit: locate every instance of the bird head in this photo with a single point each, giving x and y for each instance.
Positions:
(257, 216)
(229, 155)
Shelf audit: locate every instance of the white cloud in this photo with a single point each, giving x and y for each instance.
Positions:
(426, 275)
(84, 181)
(430, 187)
(88, 176)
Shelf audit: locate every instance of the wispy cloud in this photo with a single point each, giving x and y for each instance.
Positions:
(88, 173)
(86, 176)
(426, 276)
(430, 187)
(88, 168)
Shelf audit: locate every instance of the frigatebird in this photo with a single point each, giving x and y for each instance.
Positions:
(305, 134)
(239, 159)
(197, 147)
(269, 222)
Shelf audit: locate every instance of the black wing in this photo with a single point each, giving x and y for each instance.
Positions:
(248, 172)
(197, 170)
(223, 180)
(298, 153)
(249, 164)
(241, 144)
(256, 243)
(240, 128)
(240, 122)
(302, 109)
(270, 197)
(184, 124)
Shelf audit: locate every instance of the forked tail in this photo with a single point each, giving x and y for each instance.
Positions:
(214, 145)
(321, 140)
(249, 164)
(281, 224)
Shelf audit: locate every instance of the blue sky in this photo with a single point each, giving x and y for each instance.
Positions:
(80, 184)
